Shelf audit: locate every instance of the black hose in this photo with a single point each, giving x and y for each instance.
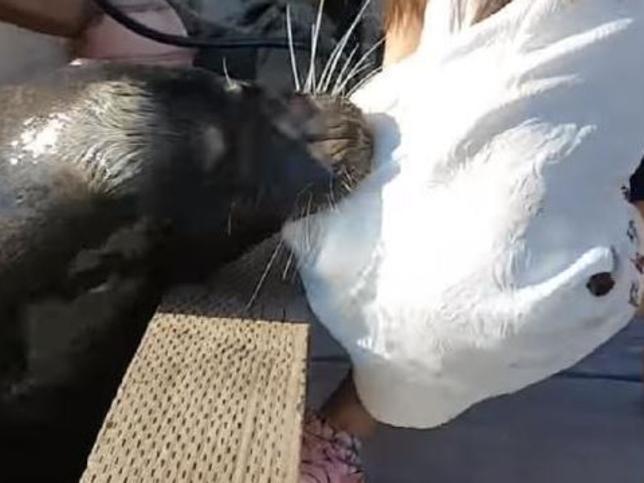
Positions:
(191, 42)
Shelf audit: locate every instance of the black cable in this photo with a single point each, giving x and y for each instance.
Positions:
(190, 42)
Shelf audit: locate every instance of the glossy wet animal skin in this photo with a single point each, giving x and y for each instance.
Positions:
(188, 169)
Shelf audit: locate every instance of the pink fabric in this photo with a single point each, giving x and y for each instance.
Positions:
(105, 39)
(328, 455)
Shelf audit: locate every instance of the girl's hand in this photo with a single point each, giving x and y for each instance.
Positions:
(64, 18)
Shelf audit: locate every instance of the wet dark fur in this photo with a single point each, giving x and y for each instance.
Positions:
(158, 176)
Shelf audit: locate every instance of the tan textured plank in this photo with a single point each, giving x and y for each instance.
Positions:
(206, 399)
(280, 296)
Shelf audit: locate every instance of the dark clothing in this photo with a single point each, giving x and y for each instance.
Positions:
(267, 19)
(636, 192)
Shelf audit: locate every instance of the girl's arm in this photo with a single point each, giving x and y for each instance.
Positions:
(64, 18)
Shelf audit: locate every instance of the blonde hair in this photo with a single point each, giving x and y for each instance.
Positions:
(402, 13)
(399, 13)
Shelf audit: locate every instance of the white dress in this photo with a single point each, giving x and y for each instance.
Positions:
(459, 270)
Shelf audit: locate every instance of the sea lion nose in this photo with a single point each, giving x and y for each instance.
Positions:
(348, 137)
(306, 114)
(323, 118)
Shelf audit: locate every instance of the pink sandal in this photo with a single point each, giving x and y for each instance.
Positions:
(328, 455)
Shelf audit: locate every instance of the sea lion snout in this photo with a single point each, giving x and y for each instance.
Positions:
(318, 148)
(337, 136)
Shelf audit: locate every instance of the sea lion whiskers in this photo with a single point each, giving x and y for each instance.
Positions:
(311, 81)
(289, 30)
(303, 212)
(343, 70)
(264, 275)
(339, 88)
(364, 81)
(287, 265)
(339, 50)
(224, 66)
(320, 84)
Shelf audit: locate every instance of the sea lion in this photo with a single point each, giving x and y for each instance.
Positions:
(190, 168)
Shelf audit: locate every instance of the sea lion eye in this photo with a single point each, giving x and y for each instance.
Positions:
(601, 284)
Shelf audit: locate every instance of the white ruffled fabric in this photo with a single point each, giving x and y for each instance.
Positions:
(458, 271)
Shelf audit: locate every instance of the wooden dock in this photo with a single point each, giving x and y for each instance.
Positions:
(214, 394)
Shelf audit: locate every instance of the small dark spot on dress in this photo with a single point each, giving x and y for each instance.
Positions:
(601, 284)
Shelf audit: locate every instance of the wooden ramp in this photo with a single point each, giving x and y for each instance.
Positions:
(213, 394)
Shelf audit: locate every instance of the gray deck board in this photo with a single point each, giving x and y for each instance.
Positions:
(560, 431)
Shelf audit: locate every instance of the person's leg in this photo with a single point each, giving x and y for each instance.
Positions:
(345, 411)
